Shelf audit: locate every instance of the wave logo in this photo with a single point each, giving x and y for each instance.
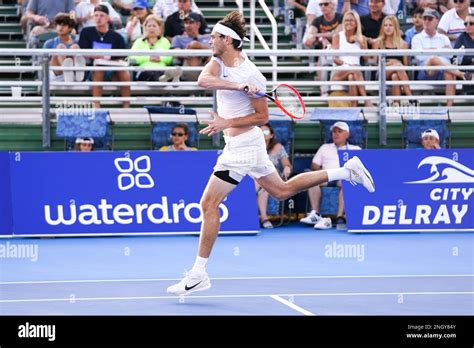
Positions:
(445, 171)
(134, 173)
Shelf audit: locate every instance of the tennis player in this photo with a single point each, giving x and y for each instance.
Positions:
(240, 112)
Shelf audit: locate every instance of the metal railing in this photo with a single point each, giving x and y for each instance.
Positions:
(381, 97)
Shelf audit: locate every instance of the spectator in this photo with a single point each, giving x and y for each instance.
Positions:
(372, 22)
(430, 39)
(64, 27)
(134, 26)
(153, 40)
(390, 38)
(101, 37)
(164, 8)
(359, 6)
(179, 136)
(42, 14)
(324, 27)
(191, 39)
(452, 22)
(85, 14)
(313, 10)
(430, 139)
(174, 23)
(327, 158)
(84, 144)
(417, 17)
(466, 40)
(350, 39)
(279, 158)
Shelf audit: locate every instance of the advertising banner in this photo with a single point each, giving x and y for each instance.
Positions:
(6, 224)
(415, 191)
(105, 193)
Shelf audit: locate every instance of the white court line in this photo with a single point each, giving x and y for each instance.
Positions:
(232, 296)
(291, 305)
(233, 278)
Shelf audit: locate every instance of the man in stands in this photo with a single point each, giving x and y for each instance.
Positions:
(417, 18)
(174, 24)
(101, 37)
(452, 22)
(328, 158)
(372, 22)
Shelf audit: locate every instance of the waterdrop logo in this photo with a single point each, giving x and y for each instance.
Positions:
(134, 173)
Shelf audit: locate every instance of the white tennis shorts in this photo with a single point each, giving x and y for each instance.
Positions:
(245, 154)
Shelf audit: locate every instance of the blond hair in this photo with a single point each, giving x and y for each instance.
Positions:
(158, 20)
(356, 16)
(397, 35)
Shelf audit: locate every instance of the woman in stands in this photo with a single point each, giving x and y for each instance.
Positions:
(136, 23)
(153, 40)
(390, 38)
(350, 39)
(279, 157)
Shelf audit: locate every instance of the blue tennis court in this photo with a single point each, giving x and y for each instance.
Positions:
(293, 270)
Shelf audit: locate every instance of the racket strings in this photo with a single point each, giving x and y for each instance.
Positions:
(290, 101)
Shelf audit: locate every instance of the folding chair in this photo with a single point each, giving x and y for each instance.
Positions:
(170, 116)
(412, 129)
(93, 124)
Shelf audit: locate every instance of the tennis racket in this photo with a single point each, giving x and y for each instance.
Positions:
(287, 98)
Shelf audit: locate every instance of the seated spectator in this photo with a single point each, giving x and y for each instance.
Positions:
(350, 39)
(359, 6)
(466, 40)
(390, 38)
(327, 158)
(179, 136)
(42, 13)
(452, 22)
(372, 22)
(323, 28)
(313, 10)
(64, 27)
(417, 17)
(134, 26)
(101, 37)
(279, 158)
(191, 39)
(84, 144)
(163, 8)
(430, 139)
(174, 23)
(430, 39)
(153, 40)
(85, 14)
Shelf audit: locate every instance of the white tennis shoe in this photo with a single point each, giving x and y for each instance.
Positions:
(311, 218)
(323, 224)
(359, 174)
(192, 281)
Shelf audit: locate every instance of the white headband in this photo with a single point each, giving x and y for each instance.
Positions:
(222, 29)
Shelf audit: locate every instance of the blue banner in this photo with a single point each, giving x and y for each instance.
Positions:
(415, 191)
(73, 193)
(6, 224)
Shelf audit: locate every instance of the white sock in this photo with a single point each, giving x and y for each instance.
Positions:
(338, 174)
(314, 212)
(200, 264)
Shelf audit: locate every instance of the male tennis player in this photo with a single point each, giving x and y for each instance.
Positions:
(240, 113)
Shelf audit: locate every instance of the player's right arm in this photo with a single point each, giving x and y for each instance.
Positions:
(209, 78)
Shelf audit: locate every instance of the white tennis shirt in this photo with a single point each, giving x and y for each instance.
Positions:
(233, 104)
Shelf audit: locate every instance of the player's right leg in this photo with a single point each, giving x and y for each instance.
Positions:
(218, 187)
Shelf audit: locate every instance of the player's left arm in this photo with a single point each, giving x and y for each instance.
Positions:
(258, 118)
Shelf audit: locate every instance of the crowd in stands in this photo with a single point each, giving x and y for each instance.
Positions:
(376, 24)
(117, 24)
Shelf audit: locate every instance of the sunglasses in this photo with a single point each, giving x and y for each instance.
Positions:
(468, 23)
(324, 4)
(458, 1)
(175, 134)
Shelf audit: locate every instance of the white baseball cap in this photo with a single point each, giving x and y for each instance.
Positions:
(431, 132)
(84, 141)
(341, 125)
